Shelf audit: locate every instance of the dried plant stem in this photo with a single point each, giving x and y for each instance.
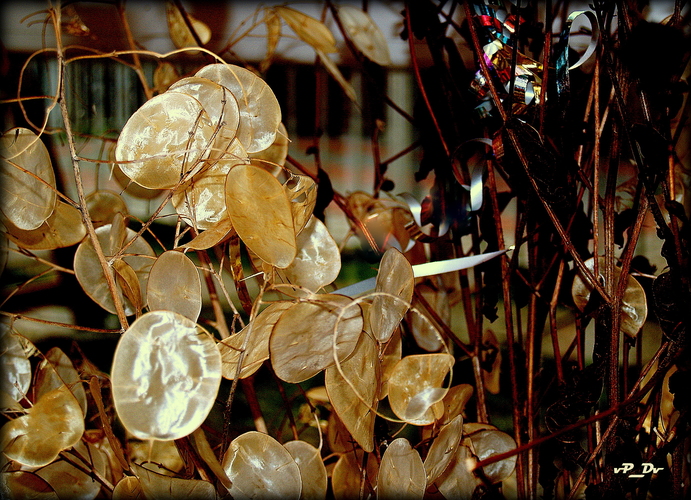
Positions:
(508, 103)
(508, 321)
(531, 339)
(482, 415)
(475, 338)
(342, 204)
(95, 389)
(222, 326)
(546, 53)
(553, 323)
(286, 404)
(192, 460)
(54, 267)
(440, 323)
(616, 292)
(356, 52)
(256, 411)
(515, 142)
(378, 170)
(253, 401)
(411, 147)
(89, 471)
(634, 396)
(15, 316)
(594, 453)
(21, 286)
(467, 305)
(595, 192)
(135, 56)
(221, 323)
(237, 271)
(421, 87)
(586, 274)
(538, 441)
(86, 219)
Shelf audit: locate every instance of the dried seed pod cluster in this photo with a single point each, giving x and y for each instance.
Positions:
(189, 138)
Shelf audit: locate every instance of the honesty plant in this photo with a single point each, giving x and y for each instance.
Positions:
(228, 296)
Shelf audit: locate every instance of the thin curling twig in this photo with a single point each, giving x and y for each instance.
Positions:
(84, 211)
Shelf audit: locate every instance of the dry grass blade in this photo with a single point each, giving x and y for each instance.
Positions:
(127, 280)
(116, 235)
(333, 70)
(174, 285)
(260, 467)
(206, 453)
(353, 388)
(401, 472)
(211, 237)
(29, 194)
(273, 35)
(304, 339)
(166, 373)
